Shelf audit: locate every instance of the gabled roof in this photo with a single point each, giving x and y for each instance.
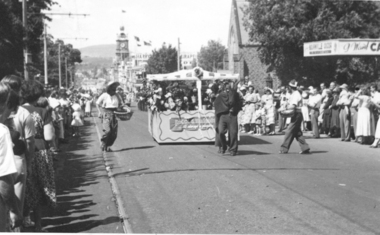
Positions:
(243, 35)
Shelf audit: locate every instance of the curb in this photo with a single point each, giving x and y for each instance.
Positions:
(115, 190)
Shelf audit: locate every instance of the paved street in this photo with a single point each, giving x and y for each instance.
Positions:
(192, 189)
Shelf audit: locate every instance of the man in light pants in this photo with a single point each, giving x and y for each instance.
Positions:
(314, 106)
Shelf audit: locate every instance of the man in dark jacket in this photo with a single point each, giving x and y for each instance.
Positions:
(227, 106)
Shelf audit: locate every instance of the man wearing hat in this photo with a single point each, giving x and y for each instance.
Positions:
(344, 103)
(314, 106)
(106, 104)
(294, 128)
(227, 106)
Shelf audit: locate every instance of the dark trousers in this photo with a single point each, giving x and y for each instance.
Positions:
(281, 121)
(345, 124)
(294, 131)
(227, 123)
(354, 119)
(314, 114)
(110, 125)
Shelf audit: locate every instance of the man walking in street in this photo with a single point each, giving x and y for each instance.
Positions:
(294, 128)
(227, 106)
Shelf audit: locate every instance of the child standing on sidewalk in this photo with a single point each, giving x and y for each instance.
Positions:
(77, 119)
(88, 104)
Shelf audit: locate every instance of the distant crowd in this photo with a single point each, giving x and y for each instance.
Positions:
(339, 111)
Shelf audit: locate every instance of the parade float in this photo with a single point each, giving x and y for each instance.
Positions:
(185, 126)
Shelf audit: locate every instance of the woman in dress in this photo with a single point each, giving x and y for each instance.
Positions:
(268, 102)
(249, 117)
(40, 187)
(335, 124)
(376, 104)
(365, 128)
(107, 104)
(326, 120)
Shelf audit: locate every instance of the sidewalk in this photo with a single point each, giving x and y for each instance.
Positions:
(84, 197)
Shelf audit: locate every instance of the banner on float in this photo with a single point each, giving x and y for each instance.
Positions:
(342, 47)
(191, 124)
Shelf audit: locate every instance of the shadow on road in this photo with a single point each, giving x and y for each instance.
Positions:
(75, 207)
(250, 140)
(133, 148)
(134, 173)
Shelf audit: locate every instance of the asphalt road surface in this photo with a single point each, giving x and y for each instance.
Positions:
(189, 188)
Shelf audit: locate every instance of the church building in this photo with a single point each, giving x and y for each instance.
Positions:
(243, 57)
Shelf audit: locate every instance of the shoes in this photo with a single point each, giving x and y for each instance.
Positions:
(283, 152)
(251, 132)
(373, 147)
(232, 153)
(221, 150)
(27, 222)
(307, 151)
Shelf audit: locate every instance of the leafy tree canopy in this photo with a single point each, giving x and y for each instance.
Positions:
(67, 51)
(210, 57)
(163, 60)
(281, 28)
(13, 36)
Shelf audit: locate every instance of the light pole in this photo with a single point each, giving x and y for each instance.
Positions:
(24, 24)
(59, 65)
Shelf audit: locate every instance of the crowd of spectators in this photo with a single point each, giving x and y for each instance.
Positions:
(34, 122)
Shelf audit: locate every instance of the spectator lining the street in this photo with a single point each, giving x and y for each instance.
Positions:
(41, 182)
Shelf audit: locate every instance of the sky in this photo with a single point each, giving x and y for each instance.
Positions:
(195, 22)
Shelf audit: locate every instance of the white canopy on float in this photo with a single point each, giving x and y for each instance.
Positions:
(196, 74)
(342, 47)
(190, 75)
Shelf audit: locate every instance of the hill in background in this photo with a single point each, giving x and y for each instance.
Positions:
(106, 50)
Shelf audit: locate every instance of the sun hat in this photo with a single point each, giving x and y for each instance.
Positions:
(344, 86)
(112, 83)
(293, 83)
(243, 88)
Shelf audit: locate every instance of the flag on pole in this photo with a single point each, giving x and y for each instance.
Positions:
(137, 38)
(147, 43)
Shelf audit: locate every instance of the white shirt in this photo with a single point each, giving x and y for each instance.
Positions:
(7, 161)
(107, 101)
(295, 99)
(315, 101)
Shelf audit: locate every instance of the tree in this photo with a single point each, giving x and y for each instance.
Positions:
(67, 51)
(281, 28)
(193, 63)
(211, 56)
(13, 36)
(163, 60)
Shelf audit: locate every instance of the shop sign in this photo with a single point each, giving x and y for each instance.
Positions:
(343, 47)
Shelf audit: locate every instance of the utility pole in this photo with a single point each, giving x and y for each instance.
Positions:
(179, 55)
(59, 61)
(59, 49)
(67, 86)
(59, 65)
(45, 56)
(24, 24)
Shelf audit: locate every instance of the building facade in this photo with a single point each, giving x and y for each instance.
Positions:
(243, 56)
